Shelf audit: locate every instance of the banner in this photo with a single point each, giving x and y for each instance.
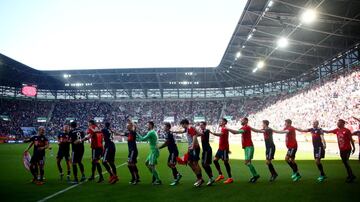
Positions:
(169, 119)
(99, 119)
(5, 117)
(199, 119)
(229, 118)
(28, 131)
(70, 119)
(135, 119)
(41, 119)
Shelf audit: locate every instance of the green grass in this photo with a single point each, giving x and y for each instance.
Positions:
(15, 184)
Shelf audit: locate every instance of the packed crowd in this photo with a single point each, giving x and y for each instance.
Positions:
(328, 102)
(24, 113)
(339, 97)
(119, 112)
(21, 113)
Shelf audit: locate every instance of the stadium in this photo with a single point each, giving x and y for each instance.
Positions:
(129, 63)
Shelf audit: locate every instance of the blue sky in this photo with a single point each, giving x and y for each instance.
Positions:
(88, 34)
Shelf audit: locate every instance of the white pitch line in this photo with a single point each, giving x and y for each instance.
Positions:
(73, 186)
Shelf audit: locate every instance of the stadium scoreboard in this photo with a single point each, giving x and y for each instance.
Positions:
(29, 90)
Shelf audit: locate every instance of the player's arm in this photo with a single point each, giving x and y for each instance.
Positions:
(78, 141)
(135, 127)
(235, 131)
(29, 147)
(280, 131)
(144, 138)
(47, 145)
(178, 131)
(88, 136)
(165, 144)
(302, 130)
(257, 130)
(85, 138)
(328, 131)
(352, 144)
(194, 140)
(199, 132)
(323, 140)
(119, 133)
(215, 133)
(139, 137)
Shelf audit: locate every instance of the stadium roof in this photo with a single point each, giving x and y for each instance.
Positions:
(336, 28)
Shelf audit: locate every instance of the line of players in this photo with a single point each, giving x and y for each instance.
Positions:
(76, 137)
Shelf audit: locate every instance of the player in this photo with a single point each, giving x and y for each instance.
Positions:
(170, 143)
(346, 146)
(109, 153)
(270, 147)
(154, 154)
(223, 152)
(319, 145)
(64, 151)
(193, 150)
(357, 133)
(206, 157)
(76, 135)
(133, 152)
(248, 147)
(292, 146)
(96, 137)
(37, 162)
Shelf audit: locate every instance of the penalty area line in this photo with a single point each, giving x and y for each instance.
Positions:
(73, 186)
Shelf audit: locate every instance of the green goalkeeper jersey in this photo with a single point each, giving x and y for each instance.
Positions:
(151, 136)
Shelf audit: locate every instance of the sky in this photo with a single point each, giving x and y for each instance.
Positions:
(94, 34)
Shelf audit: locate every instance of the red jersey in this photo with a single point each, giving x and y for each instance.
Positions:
(96, 136)
(344, 138)
(190, 133)
(291, 142)
(246, 137)
(224, 139)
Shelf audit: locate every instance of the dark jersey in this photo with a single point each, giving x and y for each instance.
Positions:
(316, 136)
(131, 139)
(39, 141)
(268, 137)
(63, 139)
(205, 140)
(108, 136)
(171, 144)
(76, 134)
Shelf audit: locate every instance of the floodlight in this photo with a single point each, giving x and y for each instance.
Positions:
(308, 16)
(282, 42)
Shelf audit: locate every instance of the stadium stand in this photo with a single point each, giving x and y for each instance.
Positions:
(336, 99)
(327, 102)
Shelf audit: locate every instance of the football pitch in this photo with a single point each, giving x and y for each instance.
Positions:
(15, 180)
